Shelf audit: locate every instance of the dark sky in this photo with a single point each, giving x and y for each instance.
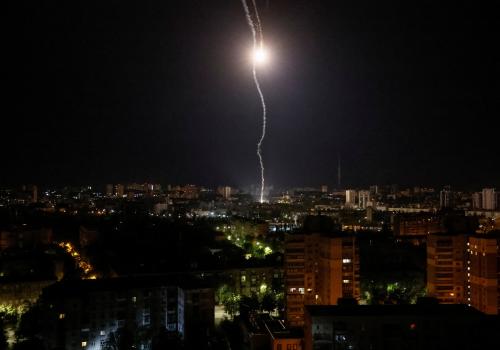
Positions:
(106, 91)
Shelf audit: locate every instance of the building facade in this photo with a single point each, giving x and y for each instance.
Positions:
(364, 199)
(350, 198)
(319, 269)
(395, 327)
(446, 268)
(94, 314)
(489, 199)
(484, 273)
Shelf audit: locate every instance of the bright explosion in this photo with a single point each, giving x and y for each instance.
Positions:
(260, 56)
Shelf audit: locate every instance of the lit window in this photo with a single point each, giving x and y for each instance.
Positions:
(84, 344)
(301, 290)
(346, 261)
(345, 281)
(102, 332)
(62, 316)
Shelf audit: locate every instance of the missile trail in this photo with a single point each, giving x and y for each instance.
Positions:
(251, 24)
(259, 24)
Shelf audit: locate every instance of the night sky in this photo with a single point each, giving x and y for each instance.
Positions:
(119, 91)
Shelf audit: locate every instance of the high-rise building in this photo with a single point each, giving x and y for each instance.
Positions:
(324, 189)
(91, 314)
(224, 191)
(484, 273)
(446, 268)
(477, 202)
(320, 268)
(374, 190)
(34, 196)
(109, 190)
(119, 190)
(489, 199)
(350, 198)
(369, 214)
(364, 199)
(445, 199)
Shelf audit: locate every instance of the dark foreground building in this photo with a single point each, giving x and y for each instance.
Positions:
(384, 327)
(130, 312)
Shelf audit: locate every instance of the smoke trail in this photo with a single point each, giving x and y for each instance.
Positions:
(257, 85)
(259, 24)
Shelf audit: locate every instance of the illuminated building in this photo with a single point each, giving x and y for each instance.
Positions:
(446, 268)
(320, 268)
(489, 199)
(364, 199)
(445, 199)
(119, 190)
(416, 224)
(224, 191)
(137, 187)
(185, 192)
(248, 281)
(484, 269)
(350, 198)
(324, 189)
(476, 200)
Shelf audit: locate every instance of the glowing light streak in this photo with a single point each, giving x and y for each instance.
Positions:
(258, 57)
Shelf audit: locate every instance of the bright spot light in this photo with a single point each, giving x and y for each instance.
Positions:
(260, 56)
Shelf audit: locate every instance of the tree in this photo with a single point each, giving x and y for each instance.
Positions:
(249, 304)
(280, 302)
(268, 302)
(231, 304)
(223, 292)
